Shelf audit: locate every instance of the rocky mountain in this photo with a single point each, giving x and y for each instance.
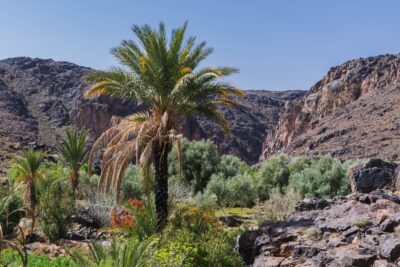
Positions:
(38, 98)
(353, 112)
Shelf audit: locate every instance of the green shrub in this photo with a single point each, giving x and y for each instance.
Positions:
(241, 191)
(123, 253)
(324, 178)
(217, 187)
(145, 217)
(56, 205)
(11, 209)
(196, 220)
(238, 191)
(230, 166)
(272, 175)
(132, 186)
(185, 248)
(199, 161)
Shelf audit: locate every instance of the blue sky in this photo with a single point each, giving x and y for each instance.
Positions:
(276, 44)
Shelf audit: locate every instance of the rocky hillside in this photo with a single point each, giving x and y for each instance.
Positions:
(353, 112)
(38, 98)
(361, 229)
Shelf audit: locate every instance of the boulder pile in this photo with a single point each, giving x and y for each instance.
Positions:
(361, 229)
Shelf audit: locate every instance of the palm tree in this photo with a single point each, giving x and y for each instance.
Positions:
(28, 167)
(162, 73)
(74, 150)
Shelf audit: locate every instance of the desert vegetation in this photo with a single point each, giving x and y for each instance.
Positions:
(142, 195)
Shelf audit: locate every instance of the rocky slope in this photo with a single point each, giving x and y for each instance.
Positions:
(361, 229)
(353, 112)
(39, 97)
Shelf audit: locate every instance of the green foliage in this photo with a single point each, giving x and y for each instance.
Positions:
(199, 160)
(237, 191)
(324, 178)
(184, 248)
(272, 175)
(230, 166)
(11, 258)
(11, 210)
(145, 217)
(195, 220)
(126, 253)
(56, 205)
(242, 191)
(133, 185)
(74, 149)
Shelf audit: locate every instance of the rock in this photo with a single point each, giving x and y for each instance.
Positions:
(347, 232)
(269, 261)
(231, 221)
(388, 225)
(352, 112)
(383, 263)
(85, 218)
(312, 204)
(390, 247)
(375, 174)
(246, 246)
(39, 97)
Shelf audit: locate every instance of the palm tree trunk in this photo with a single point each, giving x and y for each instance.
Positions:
(32, 200)
(74, 178)
(160, 157)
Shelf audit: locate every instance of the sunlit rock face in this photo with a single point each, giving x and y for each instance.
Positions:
(353, 112)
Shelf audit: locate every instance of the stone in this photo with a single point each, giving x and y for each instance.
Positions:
(269, 261)
(390, 247)
(374, 174)
(312, 204)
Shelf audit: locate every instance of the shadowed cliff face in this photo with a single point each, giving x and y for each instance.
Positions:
(38, 98)
(353, 112)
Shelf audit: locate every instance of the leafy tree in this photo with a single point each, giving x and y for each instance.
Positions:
(160, 72)
(230, 166)
(199, 160)
(28, 167)
(74, 150)
(325, 177)
(273, 175)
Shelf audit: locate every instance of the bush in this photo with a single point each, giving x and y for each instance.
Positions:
(217, 187)
(280, 205)
(238, 191)
(199, 161)
(145, 217)
(56, 205)
(230, 166)
(242, 192)
(322, 178)
(122, 253)
(272, 175)
(132, 186)
(11, 212)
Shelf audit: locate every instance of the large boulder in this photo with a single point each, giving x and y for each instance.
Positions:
(374, 174)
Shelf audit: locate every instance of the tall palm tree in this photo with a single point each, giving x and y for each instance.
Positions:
(162, 73)
(74, 150)
(28, 168)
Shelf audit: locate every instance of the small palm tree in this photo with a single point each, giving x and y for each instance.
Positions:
(160, 72)
(74, 150)
(28, 167)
